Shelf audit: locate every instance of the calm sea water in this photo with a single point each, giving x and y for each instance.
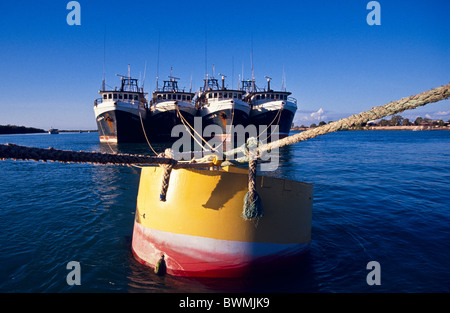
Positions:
(378, 196)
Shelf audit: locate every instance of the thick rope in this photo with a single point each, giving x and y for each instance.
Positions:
(15, 152)
(166, 176)
(145, 134)
(394, 107)
(252, 202)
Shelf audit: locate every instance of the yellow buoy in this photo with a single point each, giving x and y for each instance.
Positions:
(200, 228)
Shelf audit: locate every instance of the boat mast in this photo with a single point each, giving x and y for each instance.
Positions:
(253, 76)
(223, 81)
(143, 80)
(104, 62)
(206, 53)
(268, 82)
(129, 77)
(157, 64)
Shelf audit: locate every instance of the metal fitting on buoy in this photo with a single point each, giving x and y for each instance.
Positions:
(216, 161)
(160, 268)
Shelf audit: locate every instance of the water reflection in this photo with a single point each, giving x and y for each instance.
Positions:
(298, 277)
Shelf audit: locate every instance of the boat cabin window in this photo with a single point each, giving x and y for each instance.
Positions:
(189, 98)
(215, 95)
(210, 95)
(285, 97)
(114, 96)
(125, 96)
(120, 96)
(179, 97)
(105, 96)
(136, 97)
(164, 96)
(225, 95)
(109, 96)
(159, 97)
(263, 96)
(184, 97)
(277, 96)
(272, 96)
(258, 97)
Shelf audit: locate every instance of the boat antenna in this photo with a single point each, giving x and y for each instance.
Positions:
(268, 82)
(145, 70)
(241, 76)
(206, 52)
(223, 81)
(232, 72)
(157, 62)
(104, 60)
(129, 76)
(190, 85)
(251, 60)
(283, 81)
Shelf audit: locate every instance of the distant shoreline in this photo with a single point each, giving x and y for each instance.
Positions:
(13, 130)
(412, 127)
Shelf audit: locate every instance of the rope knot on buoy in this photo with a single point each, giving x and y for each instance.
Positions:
(168, 153)
(252, 201)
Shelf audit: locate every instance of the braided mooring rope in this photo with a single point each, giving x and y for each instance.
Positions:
(16, 152)
(394, 107)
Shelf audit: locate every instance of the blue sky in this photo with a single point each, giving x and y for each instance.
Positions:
(335, 63)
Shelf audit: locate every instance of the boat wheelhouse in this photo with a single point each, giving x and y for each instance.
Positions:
(221, 106)
(121, 113)
(270, 108)
(170, 107)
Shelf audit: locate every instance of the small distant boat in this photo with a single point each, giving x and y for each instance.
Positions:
(53, 131)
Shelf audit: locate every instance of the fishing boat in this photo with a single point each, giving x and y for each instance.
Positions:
(222, 107)
(121, 113)
(53, 131)
(199, 230)
(170, 107)
(270, 108)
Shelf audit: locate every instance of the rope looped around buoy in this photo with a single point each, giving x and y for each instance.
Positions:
(252, 201)
(166, 176)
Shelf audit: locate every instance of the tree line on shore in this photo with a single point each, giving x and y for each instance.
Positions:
(13, 129)
(395, 120)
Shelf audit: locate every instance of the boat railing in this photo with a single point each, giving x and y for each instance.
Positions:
(292, 99)
(98, 101)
